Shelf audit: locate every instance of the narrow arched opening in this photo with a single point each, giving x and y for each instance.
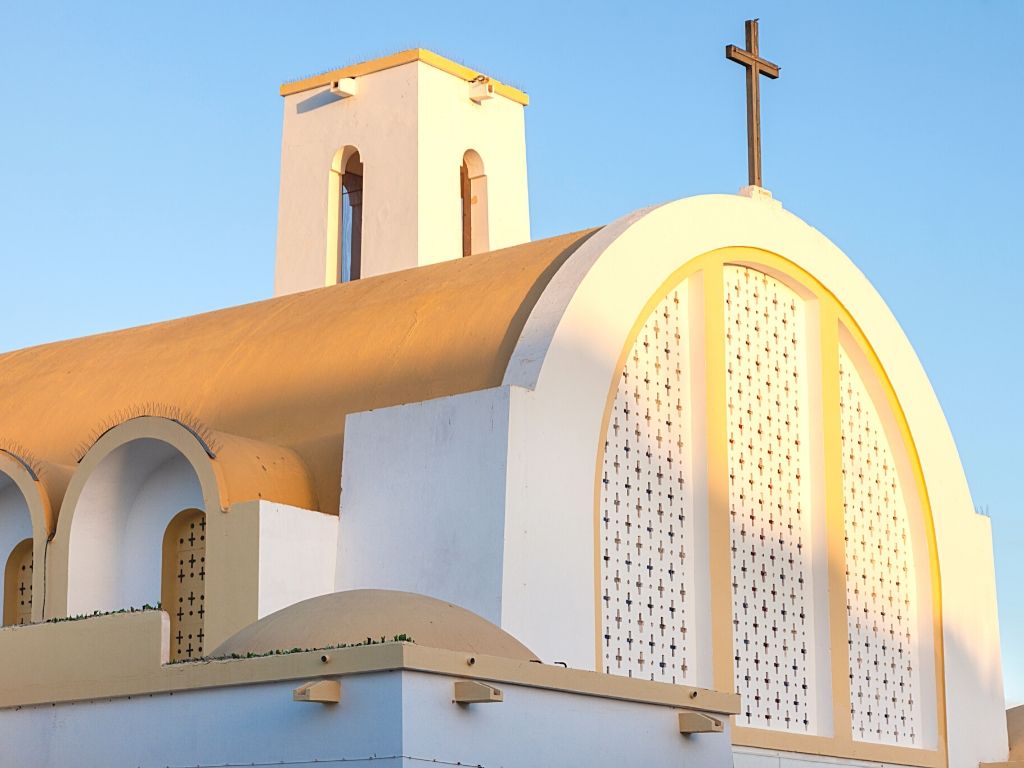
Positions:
(473, 187)
(345, 217)
(183, 583)
(17, 592)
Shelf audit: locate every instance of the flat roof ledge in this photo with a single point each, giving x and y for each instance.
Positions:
(396, 60)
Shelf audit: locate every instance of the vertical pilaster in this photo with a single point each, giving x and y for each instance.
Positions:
(832, 478)
(718, 477)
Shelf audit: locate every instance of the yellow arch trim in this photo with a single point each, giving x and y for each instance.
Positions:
(42, 514)
(165, 430)
(37, 497)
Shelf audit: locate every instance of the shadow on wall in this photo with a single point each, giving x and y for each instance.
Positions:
(316, 101)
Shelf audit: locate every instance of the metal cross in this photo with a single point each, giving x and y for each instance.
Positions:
(755, 66)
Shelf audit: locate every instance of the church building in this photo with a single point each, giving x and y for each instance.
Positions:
(674, 490)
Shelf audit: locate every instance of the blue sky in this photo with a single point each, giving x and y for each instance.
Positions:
(142, 142)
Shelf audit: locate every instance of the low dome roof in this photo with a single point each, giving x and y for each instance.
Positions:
(353, 616)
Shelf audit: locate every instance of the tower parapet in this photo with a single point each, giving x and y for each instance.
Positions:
(394, 163)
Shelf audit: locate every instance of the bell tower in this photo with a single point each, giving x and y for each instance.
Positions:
(395, 163)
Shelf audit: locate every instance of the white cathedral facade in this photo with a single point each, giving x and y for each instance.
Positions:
(671, 491)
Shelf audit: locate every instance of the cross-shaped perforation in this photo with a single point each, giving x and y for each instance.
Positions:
(767, 435)
(880, 588)
(187, 606)
(644, 517)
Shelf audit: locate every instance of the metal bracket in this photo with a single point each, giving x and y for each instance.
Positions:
(698, 722)
(320, 691)
(472, 692)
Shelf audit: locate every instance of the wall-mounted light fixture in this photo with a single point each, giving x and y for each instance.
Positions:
(345, 87)
(481, 89)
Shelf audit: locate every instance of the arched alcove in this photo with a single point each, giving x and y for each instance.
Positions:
(18, 585)
(183, 582)
(473, 193)
(120, 515)
(15, 529)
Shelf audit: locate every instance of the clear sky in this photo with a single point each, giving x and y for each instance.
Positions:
(139, 175)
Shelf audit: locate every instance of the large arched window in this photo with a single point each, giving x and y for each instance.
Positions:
(18, 585)
(183, 588)
(761, 525)
(473, 188)
(345, 217)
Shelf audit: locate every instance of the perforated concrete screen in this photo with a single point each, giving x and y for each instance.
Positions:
(18, 589)
(646, 526)
(186, 595)
(769, 500)
(885, 696)
(822, 618)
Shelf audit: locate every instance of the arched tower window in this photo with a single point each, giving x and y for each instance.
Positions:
(345, 217)
(183, 589)
(351, 220)
(18, 585)
(474, 204)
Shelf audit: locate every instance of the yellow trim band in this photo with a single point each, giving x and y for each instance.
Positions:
(396, 60)
(126, 655)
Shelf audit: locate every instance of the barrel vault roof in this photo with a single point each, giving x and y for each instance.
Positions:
(287, 370)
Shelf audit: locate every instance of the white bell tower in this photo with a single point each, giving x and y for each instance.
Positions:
(395, 163)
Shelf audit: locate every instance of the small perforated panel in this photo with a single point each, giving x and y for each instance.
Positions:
(645, 525)
(24, 586)
(18, 592)
(769, 506)
(880, 589)
(186, 603)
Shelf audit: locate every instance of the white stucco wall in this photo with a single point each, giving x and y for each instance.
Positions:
(15, 524)
(297, 555)
(411, 124)
(384, 719)
(256, 724)
(381, 123)
(556, 387)
(750, 757)
(449, 124)
(422, 504)
(534, 727)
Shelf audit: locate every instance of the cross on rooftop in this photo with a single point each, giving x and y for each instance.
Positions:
(755, 66)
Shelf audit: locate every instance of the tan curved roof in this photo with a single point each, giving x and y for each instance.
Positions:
(354, 616)
(287, 370)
